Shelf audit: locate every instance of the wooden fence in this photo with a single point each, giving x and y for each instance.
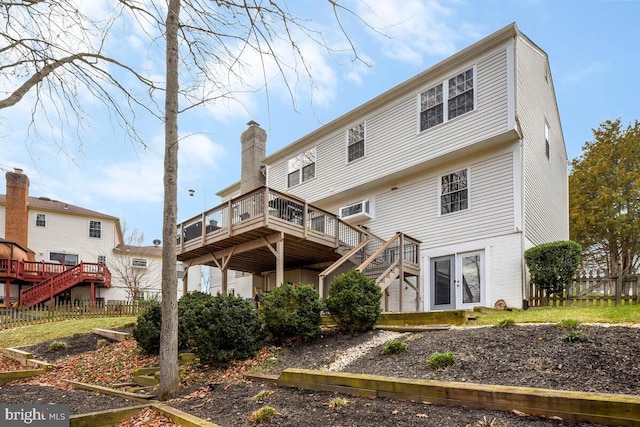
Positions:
(13, 317)
(591, 289)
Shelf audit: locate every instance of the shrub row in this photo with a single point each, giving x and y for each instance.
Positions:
(225, 327)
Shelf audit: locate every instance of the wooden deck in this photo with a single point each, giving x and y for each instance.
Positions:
(244, 234)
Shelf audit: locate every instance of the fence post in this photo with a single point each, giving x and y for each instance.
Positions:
(619, 284)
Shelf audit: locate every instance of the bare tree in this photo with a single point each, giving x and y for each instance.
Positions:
(134, 265)
(210, 48)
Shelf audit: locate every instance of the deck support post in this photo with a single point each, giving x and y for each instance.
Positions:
(280, 263)
(93, 294)
(7, 293)
(225, 279)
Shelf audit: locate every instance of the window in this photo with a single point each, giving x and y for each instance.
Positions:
(95, 229)
(102, 259)
(139, 262)
(461, 94)
(355, 142)
(435, 108)
(547, 146)
(41, 220)
(63, 258)
(301, 168)
(454, 192)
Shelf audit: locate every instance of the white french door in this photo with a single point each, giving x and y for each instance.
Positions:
(457, 281)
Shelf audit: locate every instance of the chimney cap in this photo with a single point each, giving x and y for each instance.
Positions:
(17, 170)
(252, 123)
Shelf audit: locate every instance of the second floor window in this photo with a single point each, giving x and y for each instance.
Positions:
(41, 220)
(355, 142)
(454, 192)
(447, 100)
(301, 168)
(139, 262)
(102, 259)
(95, 229)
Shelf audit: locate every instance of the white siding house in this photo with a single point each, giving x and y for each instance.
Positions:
(467, 157)
(59, 232)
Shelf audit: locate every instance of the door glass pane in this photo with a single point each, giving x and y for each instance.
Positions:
(471, 278)
(442, 282)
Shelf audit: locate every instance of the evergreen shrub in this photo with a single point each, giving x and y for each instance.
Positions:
(292, 311)
(354, 302)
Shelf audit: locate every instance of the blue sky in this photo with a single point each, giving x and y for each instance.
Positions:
(593, 47)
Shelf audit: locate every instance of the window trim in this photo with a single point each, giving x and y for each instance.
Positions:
(468, 189)
(348, 143)
(99, 229)
(136, 263)
(299, 162)
(445, 98)
(44, 219)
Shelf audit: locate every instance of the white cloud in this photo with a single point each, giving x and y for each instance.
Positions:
(580, 73)
(412, 29)
(197, 151)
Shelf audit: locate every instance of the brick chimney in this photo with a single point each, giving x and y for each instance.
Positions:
(17, 206)
(254, 142)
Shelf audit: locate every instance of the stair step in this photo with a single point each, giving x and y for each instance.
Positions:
(413, 328)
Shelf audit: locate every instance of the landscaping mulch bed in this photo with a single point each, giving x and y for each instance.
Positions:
(521, 355)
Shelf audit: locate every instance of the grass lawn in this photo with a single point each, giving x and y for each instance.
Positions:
(619, 314)
(33, 334)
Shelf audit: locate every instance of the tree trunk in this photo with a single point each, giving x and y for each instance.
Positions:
(169, 376)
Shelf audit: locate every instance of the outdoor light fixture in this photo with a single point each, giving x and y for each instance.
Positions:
(192, 192)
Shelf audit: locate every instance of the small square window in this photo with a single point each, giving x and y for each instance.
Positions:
(102, 259)
(41, 220)
(139, 262)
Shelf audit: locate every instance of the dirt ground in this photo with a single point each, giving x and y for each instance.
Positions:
(521, 355)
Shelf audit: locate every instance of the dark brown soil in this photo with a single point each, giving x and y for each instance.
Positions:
(532, 356)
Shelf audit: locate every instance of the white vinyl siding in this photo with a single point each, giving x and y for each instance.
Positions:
(413, 208)
(393, 144)
(545, 179)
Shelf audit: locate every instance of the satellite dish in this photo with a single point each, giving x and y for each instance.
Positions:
(156, 242)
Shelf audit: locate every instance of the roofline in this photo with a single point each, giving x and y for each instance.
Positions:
(406, 87)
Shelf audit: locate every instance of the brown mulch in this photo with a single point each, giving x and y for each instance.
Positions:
(522, 355)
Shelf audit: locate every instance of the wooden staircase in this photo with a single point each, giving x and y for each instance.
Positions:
(47, 289)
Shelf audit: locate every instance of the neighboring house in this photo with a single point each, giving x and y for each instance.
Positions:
(60, 233)
(467, 159)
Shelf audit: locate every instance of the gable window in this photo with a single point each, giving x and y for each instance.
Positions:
(547, 145)
(139, 262)
(454, 192)
(63, 258)
(301, 168)
(41, 220)
(436, 108)
(95, 229)
(355, 142)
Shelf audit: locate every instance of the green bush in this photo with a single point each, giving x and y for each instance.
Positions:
(568, 324)
(506, 323)
(576, 336)
(553, 265)
(292, 311)
(441, 360)
(57, 345)
(394, 346)
(354, 302)
(190, 308)
(146, 332)
(228, 329)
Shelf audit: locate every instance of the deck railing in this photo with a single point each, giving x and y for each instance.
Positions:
(268, 205)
